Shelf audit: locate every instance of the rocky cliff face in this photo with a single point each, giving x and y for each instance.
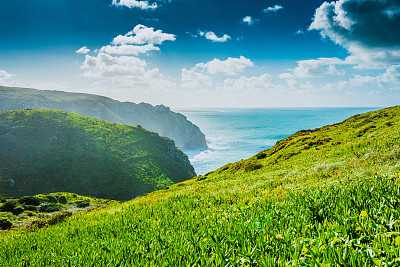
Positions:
(159, 119)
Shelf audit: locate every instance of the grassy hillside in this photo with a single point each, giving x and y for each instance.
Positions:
(324, 197)
(45, 151)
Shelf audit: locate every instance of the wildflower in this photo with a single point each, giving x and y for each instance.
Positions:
(364, 214)
(279, 236)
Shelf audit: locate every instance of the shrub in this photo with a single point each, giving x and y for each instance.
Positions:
(30, 200)
(8, 215)
(29, 213)
(51, 199)
(18, 210)
(62, 200)
(48, 207)
(82, 204)
(9, 205)
(252, 167)
(29, 207)
(5, 223)
(56, 218)
(2, 199)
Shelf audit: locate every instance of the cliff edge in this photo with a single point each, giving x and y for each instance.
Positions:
(159, 119)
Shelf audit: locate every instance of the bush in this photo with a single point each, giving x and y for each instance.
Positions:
(7, 215)
(5, 223)
(29, 213)
(29, 200)
(18, 210)
(2, 199)
(48, 207)
(9, 205)
(51, 199)
(62, 200)
(56, 218)
(29, 207)
(82, 204)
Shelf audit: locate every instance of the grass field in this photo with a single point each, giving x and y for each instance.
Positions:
(325, 197)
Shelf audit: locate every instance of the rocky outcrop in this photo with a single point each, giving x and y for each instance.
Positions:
(159, 119)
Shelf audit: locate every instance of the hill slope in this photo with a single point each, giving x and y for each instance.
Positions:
(159, 119)
(323, 197)
(49, 151)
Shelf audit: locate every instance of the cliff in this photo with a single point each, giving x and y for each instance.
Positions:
(159, 119)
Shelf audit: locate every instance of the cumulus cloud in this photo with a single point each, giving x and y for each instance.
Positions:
(140, 40)
(254, 83)
(369, 30)
(213, 37)
(318, 67)
(249, 20)
(141, 35)
(128, 49)
(125, 71)
(199, 75)
(273, 9)
(135, 4)
(230, 66)
(4, 75)
(192, 79)
(106, 66)
(83, 50)
(390, 78)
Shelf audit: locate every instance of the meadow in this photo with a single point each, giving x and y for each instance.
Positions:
(323, 197)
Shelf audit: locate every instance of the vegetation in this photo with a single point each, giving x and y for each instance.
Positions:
(324, 197)
(159, 119)
(51, 151)
(32, 212)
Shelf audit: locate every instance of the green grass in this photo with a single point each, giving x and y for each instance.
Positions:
(47, 151)
(326, 197)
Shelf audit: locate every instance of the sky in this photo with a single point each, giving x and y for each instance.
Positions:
(207, 53)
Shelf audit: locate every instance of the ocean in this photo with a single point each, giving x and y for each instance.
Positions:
(235, 134)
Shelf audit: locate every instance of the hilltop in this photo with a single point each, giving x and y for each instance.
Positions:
(322, 197)
(159, 119)
(45, 151)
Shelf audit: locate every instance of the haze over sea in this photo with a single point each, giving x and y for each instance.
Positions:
(235, 134)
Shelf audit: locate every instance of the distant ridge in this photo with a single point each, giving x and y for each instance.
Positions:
(159, 119)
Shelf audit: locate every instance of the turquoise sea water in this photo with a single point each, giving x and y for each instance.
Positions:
(235, 134)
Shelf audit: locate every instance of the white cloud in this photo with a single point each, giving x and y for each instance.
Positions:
(213, 37)
(254, 83)
(299, 32)
(369, 30)
(4, 75)
(318, 67)
(135, 4)
(141, 35)
(125, 72)
(390, 79)
(106, 66)
(128, 49)
(230, 66)
(249, 20)
(275, 8)
(192, 79)
(83, 50)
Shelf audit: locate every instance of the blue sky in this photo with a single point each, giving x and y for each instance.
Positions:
(209, 53)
